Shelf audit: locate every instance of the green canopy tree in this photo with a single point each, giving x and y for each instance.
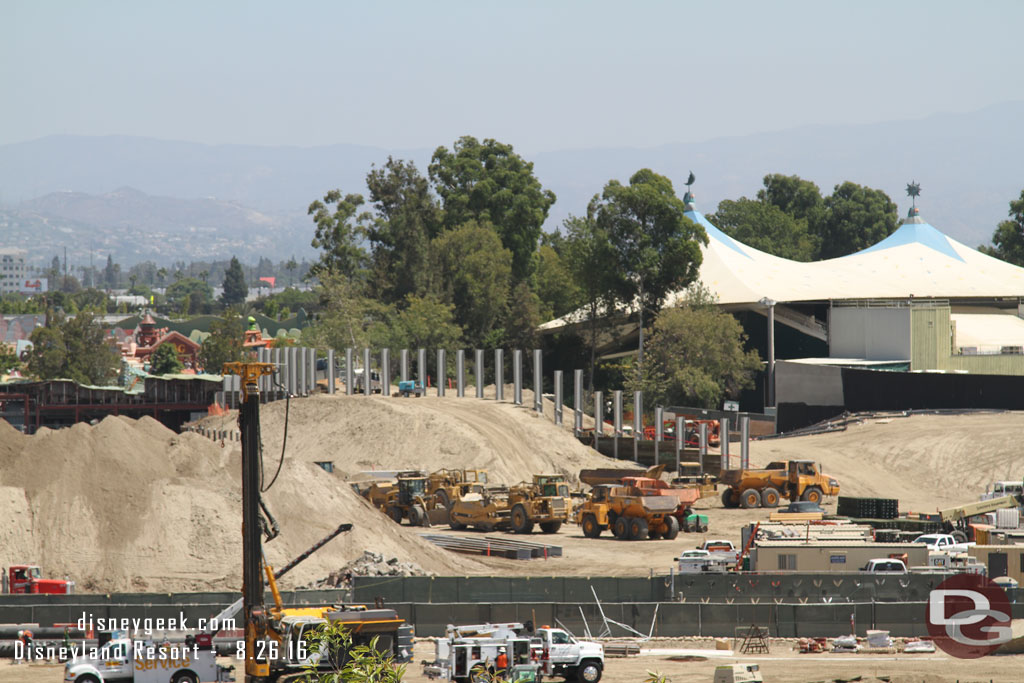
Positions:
(189, 295)
(224, 343)
(74, 348)
(695, 356)
(339, 232)
(235, 287)
(855, 217)
(425, 322)
(657, 248)
(1008, 238)
(407, 218)
(765, 227)
(591, 262)
(489, 183)
(473, 272)
(165, 361)
(554, 284)
(797, 197)
(347, 317)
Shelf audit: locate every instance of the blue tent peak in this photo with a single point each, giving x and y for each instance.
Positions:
(914, 229)
(713, 232)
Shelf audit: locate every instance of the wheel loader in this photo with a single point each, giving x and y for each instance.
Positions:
(629, 514)
(448, 486)
(794, 479)
(544, 501)
(410, 500)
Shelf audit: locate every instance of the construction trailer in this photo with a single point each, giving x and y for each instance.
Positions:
(830, 556)
(1001, 560)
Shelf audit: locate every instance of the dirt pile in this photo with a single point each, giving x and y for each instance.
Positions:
(370, 564)
(129, 505)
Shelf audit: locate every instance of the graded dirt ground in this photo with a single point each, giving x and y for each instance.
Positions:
(129, 505)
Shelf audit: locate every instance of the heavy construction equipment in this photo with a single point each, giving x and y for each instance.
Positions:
(629, 514)
(450, 485)
(685, 496)
(484, 508)
(793, 479)
(411, 387)
(274, 638)
(412, 499)
(955, 519)
(28, 578)
(544, 501)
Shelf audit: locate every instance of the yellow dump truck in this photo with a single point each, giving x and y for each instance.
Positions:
(792, 479)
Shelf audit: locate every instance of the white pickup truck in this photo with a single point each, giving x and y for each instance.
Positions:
(137, 661)
(942, 543)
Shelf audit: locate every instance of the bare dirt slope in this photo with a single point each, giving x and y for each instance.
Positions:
(131, 505)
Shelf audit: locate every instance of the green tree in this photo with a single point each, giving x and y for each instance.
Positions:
(555, 287)
(425, 322)
(765, 227)
(1008, 238)
(657, 248)
(112, 273)
(695, 356)
(473, 272)
(855, 217)
(338, 234)
(523, 318)
(367, 663)
(190, 296)
(407, 218)
(797, 197)
(74, 348)
(224, 343)
(347, 317)
(235, 287)
(165, 361)
(489, 183)
(8, 359)
(591, 261)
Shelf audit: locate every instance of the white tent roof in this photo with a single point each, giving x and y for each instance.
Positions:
(916, 260)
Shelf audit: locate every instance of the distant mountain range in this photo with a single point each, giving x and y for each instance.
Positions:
(194, 201)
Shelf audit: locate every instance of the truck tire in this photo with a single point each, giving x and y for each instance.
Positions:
(87, 678)
(591, 529)
(442, 498)
(551, 527)
(185, 677)
(751, 498)
(622, 529)
(673, 529)
(395, 513)
(589, 671)
(417, 516)
(638, 529)
(959, 536)
(770, 497)
(812, 494)
(727, 501)
(521, 523)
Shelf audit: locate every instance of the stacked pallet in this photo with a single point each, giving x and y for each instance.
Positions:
(868, 508)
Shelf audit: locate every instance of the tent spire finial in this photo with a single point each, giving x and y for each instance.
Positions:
(913, 191)
(688, 198)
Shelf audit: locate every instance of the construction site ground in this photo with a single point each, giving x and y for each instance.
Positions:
(129, 505)
(783, 665)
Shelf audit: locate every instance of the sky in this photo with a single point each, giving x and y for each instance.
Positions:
(542, 76)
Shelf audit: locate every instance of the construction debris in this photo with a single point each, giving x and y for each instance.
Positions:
(494, 546)
(370, 564)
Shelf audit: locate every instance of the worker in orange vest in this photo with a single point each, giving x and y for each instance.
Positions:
(501, 663)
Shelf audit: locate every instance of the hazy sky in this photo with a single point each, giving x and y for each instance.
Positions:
(540, 75)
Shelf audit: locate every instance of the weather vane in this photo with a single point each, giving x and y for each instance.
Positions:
(689, 181)
(913, 191)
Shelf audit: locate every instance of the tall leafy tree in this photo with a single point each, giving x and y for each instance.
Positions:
(696, 356)
(339, 231)
(797, 197)
(425, 322)
(473, 273)
(164, 360)
(189, 295)
(407, 218)
(766, 227)
(224, 343)
(489, 183)
(112, 273)
(235, 287)
(855, 218)
(554, 284)
(73, 348)
(657, 248)
(591, 261)
(1008, 238)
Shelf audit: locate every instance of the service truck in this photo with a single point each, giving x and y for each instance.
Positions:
(138, 661)
(468, 653)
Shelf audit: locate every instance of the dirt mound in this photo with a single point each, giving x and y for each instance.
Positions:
(129, 505)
